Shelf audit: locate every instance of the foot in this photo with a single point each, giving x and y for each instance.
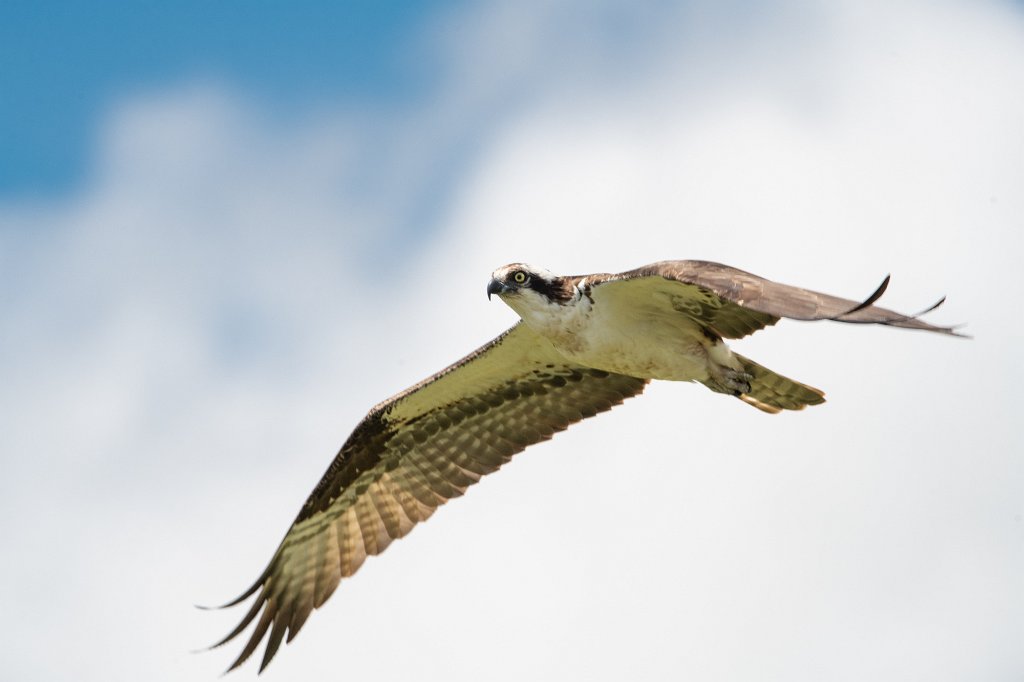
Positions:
(734, 381)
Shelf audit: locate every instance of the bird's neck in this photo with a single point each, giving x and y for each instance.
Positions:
(552, 318)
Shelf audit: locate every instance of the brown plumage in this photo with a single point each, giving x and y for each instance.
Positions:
(426, 445)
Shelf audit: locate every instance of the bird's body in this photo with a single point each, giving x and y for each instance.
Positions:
(642, 344)
(599, 329)
(584, 345)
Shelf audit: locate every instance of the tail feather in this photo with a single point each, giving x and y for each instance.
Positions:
(773, 392)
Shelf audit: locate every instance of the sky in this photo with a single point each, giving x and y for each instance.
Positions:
(227, 232)
(67, 62)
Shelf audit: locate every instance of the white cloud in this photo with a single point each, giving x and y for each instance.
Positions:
(186, 344)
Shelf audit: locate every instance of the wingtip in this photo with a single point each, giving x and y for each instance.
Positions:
(867, 302)
(949, 330)
(899, 320)
(232, 667)
(242, 597)
(234, 602)
(952, 331)
(242, 658)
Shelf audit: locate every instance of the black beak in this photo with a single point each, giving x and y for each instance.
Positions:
(495, 287)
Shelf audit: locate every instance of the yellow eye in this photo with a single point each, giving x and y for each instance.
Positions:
(519, 277)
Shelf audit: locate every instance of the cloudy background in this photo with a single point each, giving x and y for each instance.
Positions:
(225, 233)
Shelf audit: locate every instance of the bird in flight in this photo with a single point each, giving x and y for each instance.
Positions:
(584, 344)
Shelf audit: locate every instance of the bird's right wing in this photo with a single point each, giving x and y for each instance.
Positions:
(413, 453)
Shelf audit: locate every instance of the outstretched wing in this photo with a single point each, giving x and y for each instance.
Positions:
(734, 303)
(410, 455)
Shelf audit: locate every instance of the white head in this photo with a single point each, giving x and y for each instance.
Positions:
(532, 292)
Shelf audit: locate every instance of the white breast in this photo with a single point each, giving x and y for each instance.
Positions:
(642, 337)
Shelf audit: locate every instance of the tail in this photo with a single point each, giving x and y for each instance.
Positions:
(773, 392)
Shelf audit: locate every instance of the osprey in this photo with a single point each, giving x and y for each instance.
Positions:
(584, 344)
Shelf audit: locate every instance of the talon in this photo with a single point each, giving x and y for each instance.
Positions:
(736, 381)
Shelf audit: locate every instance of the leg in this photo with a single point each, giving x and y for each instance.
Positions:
(726, 373)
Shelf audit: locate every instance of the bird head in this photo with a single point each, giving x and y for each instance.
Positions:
(526, 288)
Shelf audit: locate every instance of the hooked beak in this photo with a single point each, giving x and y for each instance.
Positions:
(495, 287)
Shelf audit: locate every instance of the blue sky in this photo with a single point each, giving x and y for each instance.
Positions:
(223, 237)
(65, 61)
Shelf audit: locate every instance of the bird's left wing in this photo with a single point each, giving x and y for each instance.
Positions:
(734, 303)
(410, 455)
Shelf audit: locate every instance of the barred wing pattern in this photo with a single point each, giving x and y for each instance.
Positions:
(410, 455)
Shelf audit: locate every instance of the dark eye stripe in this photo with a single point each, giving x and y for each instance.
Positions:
(559, 291)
